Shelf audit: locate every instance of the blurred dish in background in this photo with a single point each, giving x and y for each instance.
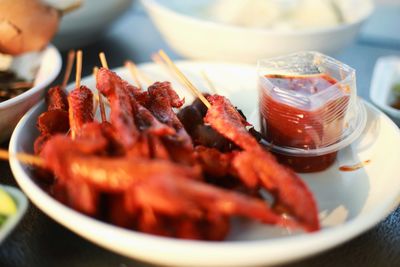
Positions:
(194, 28)
(40, 68)
(11, 83)
(87, 24)
(396, 92)
(278, 14)
(384, 91)
(26, 25)
(13, 205)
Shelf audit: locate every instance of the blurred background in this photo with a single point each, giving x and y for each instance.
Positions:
(231, 30)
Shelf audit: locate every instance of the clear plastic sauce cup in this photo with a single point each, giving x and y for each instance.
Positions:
(309, 109)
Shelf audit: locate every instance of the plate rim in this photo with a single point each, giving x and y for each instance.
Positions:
(336, 235)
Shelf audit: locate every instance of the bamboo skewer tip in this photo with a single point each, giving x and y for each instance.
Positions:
(134, 72)
(75, 5)
(183, 78)
(78, 69)
(209, 82)
(100, 98)
(103, 60)
(23, 157)
(68, 68)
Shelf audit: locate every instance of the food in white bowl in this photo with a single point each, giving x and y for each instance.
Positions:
(343, 212)
(40, 67)
(197, 36)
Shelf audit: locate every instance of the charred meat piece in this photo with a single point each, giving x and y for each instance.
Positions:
(256, 164)
(80, 102)
(122, 113)
(291, 193)
(160, 185)
(190, 117)
(203, 135)
(39, 143)
(166, 93)
(56, 99)
(53, 121)
(65, 155)
(214, 162)
(157, 148)
(140, 149)
(77, 194)
(146, 121)
(162, 99)
(106, 76)
(225, 119)
(142, 171)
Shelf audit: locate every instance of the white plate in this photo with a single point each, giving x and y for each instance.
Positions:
(12, 221)
(349, 202)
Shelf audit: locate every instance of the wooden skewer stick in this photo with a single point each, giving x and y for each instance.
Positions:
(23, 157)
(135, 73)
(68, 69)
(77, 84)
(209, 82)
(95, 70)
(78, 69)
(100, 98)
(158, 60)
(96, 97)
(103, 60)
(183, 78)
(71, 8)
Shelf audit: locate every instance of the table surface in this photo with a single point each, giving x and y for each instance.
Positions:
(38, 241)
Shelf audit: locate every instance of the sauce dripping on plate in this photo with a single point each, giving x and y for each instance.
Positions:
(349, 168)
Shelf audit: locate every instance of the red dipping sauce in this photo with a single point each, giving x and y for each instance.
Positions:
(296, 113)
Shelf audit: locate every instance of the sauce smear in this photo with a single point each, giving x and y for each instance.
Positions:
(354, 167)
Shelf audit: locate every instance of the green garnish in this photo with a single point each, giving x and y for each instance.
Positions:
(8, 206)
(396, 89)
(3, 219)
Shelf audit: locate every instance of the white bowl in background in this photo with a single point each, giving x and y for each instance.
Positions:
(197, 38)
(87, 23)
(386, 74)
(22, 205)
(44, 66)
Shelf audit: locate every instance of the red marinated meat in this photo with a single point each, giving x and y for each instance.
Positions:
(56, 99)
(80, 102)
